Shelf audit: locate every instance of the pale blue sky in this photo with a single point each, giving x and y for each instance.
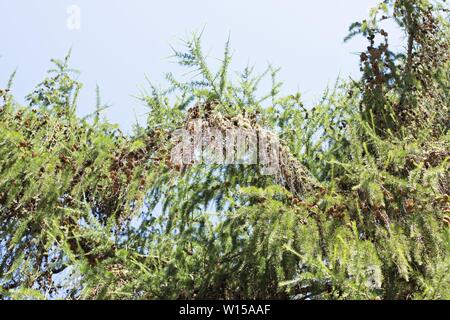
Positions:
(122, 40)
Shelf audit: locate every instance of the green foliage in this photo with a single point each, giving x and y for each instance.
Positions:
(88, 212)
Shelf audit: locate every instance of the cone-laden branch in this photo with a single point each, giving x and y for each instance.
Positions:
(286, 169)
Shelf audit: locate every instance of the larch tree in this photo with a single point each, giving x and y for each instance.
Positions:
(358, 209)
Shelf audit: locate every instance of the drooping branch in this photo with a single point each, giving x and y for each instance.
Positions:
(286, 169)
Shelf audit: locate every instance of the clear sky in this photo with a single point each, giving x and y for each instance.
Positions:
(119, 41)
